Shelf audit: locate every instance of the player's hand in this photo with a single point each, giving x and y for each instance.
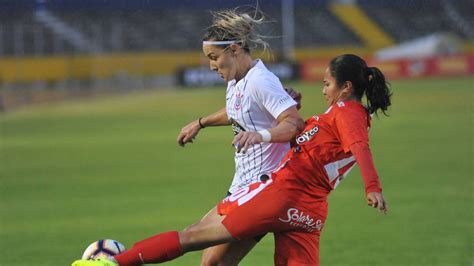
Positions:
(295, 95)
(376, 200)
(188, 133)
(245, 139)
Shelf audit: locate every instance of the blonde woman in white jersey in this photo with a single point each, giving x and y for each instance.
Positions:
(263, 116)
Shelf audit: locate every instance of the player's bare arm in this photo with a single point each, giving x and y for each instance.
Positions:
(189, 132)
(289, 124)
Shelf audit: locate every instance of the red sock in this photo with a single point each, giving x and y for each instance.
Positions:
(159, 248)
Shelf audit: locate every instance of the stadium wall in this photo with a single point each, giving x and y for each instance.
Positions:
(60, 68)
(443, 66)
(86, 67)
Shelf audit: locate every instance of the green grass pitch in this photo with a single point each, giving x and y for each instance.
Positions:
(110, 168)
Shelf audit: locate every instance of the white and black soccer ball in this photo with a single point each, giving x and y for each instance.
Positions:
(102, 249)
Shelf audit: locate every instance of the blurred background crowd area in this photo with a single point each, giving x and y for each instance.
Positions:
(56, 49)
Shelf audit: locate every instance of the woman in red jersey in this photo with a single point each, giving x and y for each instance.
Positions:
(322, 155)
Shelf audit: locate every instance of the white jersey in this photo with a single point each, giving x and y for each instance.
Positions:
(252, 104)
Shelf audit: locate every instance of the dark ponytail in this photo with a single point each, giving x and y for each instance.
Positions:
(365, 80)
(377, 91)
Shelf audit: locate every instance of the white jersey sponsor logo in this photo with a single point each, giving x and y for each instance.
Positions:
(298, 218)
(284, 99)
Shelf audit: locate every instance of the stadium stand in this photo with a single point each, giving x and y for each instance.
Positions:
(21, 35)
(131, 29)
(420, 18)
(316, 26)
(152, 30)
(94, 44)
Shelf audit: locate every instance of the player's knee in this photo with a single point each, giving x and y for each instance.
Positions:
(209, 260)
(215, 260)
(213, 257)
(190, 238)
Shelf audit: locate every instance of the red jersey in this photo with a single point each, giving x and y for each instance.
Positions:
(321, 157)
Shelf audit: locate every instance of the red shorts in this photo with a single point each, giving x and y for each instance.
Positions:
(295, 219)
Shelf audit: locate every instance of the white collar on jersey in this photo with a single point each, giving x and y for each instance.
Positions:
(258, 63)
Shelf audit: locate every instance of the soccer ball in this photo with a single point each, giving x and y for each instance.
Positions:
(102, 249)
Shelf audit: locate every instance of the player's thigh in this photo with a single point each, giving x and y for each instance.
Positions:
(211, 217)
(228, 254)
(297, 248)
(207, 232)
